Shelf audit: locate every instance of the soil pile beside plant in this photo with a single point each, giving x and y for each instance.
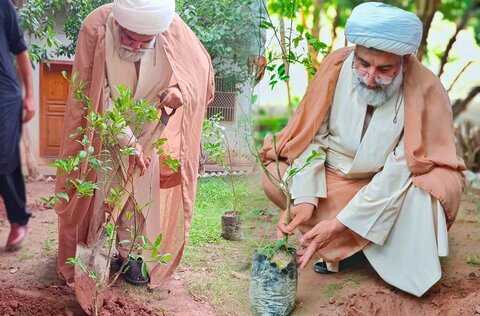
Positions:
(42, 301)
(60, 300)
(458, 297)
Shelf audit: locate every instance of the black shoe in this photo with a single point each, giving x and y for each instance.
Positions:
(321, 267)
(132, 272)
(355, 259)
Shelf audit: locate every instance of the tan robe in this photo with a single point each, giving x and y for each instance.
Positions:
(430, 150)
(388, 210)
(192, 68)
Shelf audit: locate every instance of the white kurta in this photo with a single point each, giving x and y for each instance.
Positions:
(406, 226)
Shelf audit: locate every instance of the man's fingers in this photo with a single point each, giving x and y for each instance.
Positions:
(308, 236)
(141, 165)
(279, 234)
(131, 164)
(309, 252)
(163, 95)
(28, 116)
(297, 220)
(166, 100)
(281, 226)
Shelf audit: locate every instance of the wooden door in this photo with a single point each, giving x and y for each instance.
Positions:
(53, 97)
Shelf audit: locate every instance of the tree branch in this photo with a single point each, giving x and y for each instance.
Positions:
(426, 16)
(459, 75)
(460, 26)
(461, 104)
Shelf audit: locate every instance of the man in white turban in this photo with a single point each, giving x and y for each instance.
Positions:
(391, 183)
(143, 45)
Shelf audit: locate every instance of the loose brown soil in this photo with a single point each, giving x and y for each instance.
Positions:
(29, 284)
(360, 291)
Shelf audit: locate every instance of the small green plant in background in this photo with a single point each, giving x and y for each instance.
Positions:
(288, 37)
(473, 260)
(331, 289)
(215, 144)
(48, 246)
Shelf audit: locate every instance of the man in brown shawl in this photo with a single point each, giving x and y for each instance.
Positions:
(391, 183)
(145, 46)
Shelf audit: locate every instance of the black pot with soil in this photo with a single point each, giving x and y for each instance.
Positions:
(273, 283)
(232, 226)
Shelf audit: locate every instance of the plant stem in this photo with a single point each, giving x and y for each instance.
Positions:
(230, 173)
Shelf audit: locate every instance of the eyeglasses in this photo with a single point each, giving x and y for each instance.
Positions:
(141, 50)
(142, 45)
(363, 75)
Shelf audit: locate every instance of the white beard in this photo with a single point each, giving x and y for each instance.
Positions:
(380, 95)
(124, 53)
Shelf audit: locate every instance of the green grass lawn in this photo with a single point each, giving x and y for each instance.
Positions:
(221, 268)
(214, 197)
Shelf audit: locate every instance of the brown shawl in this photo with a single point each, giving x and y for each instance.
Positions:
(429, 136)
(192, 68)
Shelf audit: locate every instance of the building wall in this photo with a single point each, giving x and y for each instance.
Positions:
(34, 124)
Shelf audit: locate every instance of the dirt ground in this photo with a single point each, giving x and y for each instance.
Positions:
(29, 284)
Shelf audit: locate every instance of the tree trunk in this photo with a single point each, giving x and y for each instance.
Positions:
(31, 162)
(460, 26)
(315, 31)
(461, 104)
(334, 29)
(426, 11)
(283, 45)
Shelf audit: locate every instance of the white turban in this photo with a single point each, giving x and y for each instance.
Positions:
(146, 17)
(383, 27)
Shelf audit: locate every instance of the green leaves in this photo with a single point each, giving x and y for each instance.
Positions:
(172, 163)
(168, 160)
(265, 24)
(230, 31)
(317, 46)
(83, 187)
(213, 139)
(314, 155)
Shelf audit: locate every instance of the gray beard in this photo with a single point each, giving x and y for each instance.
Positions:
(124, 53)
(379, 96)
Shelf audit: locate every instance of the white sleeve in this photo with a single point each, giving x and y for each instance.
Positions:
(308, 185)
(125, 138)
(372, 212)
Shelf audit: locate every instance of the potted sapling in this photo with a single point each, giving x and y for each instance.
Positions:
(273, 282)
(215, 145)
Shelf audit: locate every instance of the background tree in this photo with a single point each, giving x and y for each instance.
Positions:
(227, 29)
(321, 17)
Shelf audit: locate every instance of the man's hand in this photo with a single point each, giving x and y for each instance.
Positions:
(299, 214)
(317, 238)
(171, 98)
(28, 109)
(138, 160)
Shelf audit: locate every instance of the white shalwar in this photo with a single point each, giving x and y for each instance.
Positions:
(405, 225)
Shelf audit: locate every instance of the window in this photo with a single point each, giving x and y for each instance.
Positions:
(225, 100)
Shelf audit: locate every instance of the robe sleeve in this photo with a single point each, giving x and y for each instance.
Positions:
(372, 212)
(125, 138)
(309, 184)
